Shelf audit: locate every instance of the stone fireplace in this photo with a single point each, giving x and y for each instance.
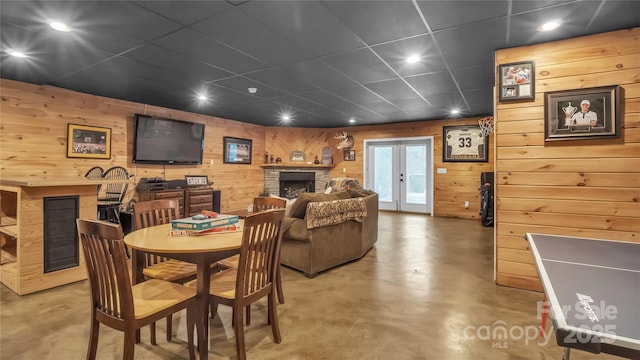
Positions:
(291, 181)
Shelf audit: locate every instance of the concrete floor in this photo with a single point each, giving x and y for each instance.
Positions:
(425, 291)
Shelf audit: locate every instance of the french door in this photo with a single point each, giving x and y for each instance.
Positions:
(400, 171)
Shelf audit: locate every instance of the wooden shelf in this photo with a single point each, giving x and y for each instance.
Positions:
(8, 225)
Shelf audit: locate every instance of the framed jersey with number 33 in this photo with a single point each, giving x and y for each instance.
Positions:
(464, 143)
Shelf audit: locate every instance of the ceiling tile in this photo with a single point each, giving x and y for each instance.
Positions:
(177, 63)
(309, 24)
(412, 105)
(447, 101)
(241, 84)
(625, 14)
(318, 73)
(475, 77)
(239, 31)
(199, 47)
(281, 80)
(396, 53)
(392, 89)
(527, 5)
(523, 26)
(474, 43)
(447, 14)
(379, 21)
(361, 65)
(329, 100)
(357, 94)
(429, 84)
(186, 12)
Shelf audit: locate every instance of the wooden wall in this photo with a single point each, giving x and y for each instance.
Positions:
(460, 183)
(33, 140)
(586, 188)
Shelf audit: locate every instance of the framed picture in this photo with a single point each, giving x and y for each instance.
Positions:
(517, 81)
(197, 180)
(464, 143)
(349, 155)
(237, 151)
(90, 142)
(592, 113)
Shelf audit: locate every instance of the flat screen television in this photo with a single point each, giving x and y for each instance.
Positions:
(166, 141)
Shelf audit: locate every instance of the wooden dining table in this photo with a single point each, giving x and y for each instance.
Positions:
(202, 250)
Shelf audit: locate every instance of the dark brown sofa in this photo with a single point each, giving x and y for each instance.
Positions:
(332, 232)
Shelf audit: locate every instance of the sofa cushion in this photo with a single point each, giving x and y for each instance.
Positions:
(299, 207)
(356, 193)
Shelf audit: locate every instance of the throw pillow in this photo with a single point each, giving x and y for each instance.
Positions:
(356, 193)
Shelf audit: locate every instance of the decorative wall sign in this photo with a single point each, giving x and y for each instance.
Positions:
(327, 156)
(517, 81)
(464, 143)
(237, 151)
(197, 180)
(85, 141)
(297, 156)
(592, 113)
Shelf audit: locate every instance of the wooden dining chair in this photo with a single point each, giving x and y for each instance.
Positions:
(117, 304)
(260, 204)
(253, 279)
(158, 212)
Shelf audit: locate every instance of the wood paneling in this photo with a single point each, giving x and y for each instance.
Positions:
(587, 188)
(461, 182)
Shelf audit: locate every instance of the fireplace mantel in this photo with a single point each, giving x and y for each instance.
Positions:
(301, 166)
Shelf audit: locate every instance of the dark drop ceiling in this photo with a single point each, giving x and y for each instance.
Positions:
(320, 62)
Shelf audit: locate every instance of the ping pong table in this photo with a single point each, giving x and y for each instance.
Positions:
(593, 290)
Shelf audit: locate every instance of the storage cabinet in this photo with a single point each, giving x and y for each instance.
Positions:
(38, 242)
(199, 199)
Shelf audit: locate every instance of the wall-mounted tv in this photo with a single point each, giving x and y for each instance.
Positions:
(166, 141)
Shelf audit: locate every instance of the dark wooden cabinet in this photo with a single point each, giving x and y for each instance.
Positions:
(192, 200)
(199, 199)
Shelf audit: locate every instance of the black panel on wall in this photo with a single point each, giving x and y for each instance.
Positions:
(60, 233)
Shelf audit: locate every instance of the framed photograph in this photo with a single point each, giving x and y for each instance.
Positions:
(237, 151)
(517, 81)
(464, 143)
(89, 142)
(197, 180)
(349, 155)
(592, 113)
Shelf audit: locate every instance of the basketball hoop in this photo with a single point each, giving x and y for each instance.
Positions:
(486, 125)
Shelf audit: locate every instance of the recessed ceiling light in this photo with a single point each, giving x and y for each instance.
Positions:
(59, 26)
(202, 97)
(286, 117)
(455, 111)
(551, 25)
(252, 90)
(352, 120)
(413, 59)
(16, 53)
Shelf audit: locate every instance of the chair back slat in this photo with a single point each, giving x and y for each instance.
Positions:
(116, 192)
(266, 203)
(259, 252)
(106, 263)
(155, 212)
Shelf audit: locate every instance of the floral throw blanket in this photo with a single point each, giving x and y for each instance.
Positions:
(335, 212)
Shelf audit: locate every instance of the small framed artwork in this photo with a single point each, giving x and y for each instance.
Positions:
(517, 81)
(349, 155)
(464, 143)
(237, 151)
(592, 113)
(90, 142)
(197, 180)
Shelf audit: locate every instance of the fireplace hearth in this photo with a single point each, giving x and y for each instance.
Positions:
(293, 184)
